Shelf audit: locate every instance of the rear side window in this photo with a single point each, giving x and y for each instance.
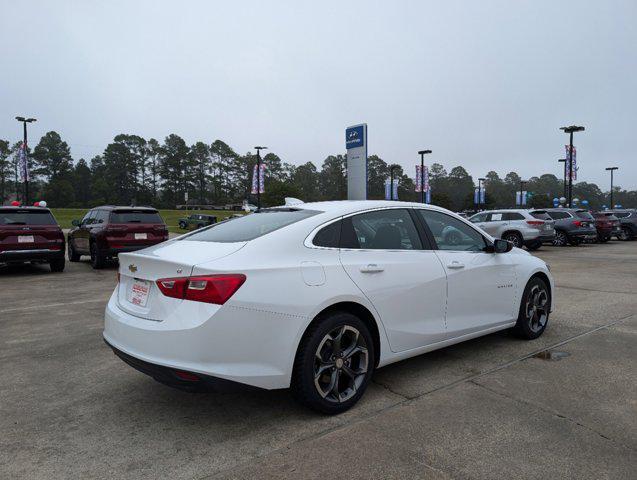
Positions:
(251, 226)
(559, 215)
(513, 216)
(540, 215)
(26, 217)
(585, 215)
(135, 216)
(329, 236)
(391, 229)
(622, 214)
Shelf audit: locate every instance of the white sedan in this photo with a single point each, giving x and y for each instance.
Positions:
(317, 296)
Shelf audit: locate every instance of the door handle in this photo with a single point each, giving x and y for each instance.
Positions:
(455, 264)
(372, 268)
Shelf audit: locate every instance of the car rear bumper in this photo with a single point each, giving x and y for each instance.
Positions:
(543, 238)
(40, 254)
(583, 235)
(115, 251)
(235, 344)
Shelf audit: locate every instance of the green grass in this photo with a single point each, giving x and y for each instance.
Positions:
(64, 216)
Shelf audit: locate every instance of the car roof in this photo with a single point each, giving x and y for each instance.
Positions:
(123, 207)
(12, 208)
(344, 207)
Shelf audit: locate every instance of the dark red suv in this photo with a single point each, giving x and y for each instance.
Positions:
(107, 231)
(31, 234)
(607, 226)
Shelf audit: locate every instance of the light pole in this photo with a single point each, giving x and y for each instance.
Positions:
(26, 160)
(563, 160)
(422, 154)
(570, 130)
(611, 170)
(522, 183)
(391, 181)
(480, 180)
(258, 149)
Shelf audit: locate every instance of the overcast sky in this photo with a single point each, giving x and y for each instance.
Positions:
(483, 84)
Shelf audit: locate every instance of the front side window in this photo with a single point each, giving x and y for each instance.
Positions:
(249, 227)
(451, 233)
(391, 229)
(88, 217)
(480, 217)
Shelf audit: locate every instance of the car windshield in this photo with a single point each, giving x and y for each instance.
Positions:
(251, 226)
(26, 217)
(541, 215)
(135, 216)
(584, 214)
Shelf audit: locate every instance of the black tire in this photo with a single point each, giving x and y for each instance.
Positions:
(529, 326)
(515, 238)
(57, 265)
(560, 239)
(73, 255)
(321, 337)
(602, 239)
(199, 225)
(574, 242)
(97, 260)
(534, 245)
(182, 225)
(626, 234)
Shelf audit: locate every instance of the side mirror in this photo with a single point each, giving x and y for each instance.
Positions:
(502, 246)
(75, 223)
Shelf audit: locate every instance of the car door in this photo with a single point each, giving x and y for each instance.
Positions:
(481, 285)
(480, 219)
(82, 234)
(496, 224)
(383, 253)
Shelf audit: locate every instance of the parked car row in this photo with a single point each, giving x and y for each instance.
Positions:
(558, 226)
(32, 234)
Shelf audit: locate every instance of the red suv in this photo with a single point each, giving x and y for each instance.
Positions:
(607, 226)
(31, 234)
(105, 232)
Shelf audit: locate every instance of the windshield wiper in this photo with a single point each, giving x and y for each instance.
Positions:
(16, 223)
(134, 221)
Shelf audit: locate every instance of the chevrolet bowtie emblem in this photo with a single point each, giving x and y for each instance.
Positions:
(132, 267)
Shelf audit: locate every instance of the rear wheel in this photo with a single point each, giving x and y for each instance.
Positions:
(73, 255)
(334, 364)
(560, 239)
(182, 225)
(602, 238)
(626, 234)
(57, 265)
(534, 310)
(97, 260)
(534, 245)
(515, 238)
(574, 242)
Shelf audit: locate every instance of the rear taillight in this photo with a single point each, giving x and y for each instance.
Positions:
(115, 231)
(535, 222)
(577, 223)
(215, 289)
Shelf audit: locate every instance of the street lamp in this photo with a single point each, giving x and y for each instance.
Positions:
(570, 130)
(422, 154)
(480, 180)
(258, 149)
(391, 181)
(26, 160)
(522, 183)
(563, 160)
(611, 170)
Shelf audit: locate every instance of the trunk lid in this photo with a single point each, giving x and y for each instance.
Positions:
(29, 229)
(138, 293)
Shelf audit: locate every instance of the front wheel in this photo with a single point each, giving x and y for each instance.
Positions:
(514, 238)
(534, 310)
(73, 255)
(534, 245)
(560, 239)
(334, 364)
(97, 260)
(182, 225)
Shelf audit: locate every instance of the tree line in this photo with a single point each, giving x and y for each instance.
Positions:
(136, 171)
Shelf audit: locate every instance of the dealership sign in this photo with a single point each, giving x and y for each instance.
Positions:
(356, 144)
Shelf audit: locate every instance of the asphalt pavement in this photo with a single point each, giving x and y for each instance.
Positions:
(562, 406)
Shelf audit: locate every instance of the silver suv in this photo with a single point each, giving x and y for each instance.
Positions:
(530, 228)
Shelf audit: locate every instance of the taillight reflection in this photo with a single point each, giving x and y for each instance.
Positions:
(215, 289)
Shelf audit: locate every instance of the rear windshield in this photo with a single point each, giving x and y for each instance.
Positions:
(622, 214)
(26, 217)
(135, 216)
(584, 215)
(251, 226)
(541, 215)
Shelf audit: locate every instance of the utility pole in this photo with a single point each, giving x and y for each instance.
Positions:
(258, 149)
(422, 154)
(570, 130)
(563, 160)
(25, 172)
(611, 170)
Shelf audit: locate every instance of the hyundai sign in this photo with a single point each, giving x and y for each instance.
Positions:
(356, 144)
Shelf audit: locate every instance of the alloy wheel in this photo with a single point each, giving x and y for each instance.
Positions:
(341, 361)
(560, 239)
(537, 308)
(514, 239)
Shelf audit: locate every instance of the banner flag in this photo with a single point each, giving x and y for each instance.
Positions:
(428, 196)
(520, 198)
(567, 164)
(475, 196)
(387, 190)
(23, 167)
(261, 179)
(422, 179)
(483, 195)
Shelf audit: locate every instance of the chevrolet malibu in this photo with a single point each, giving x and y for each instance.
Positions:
(316, 296)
